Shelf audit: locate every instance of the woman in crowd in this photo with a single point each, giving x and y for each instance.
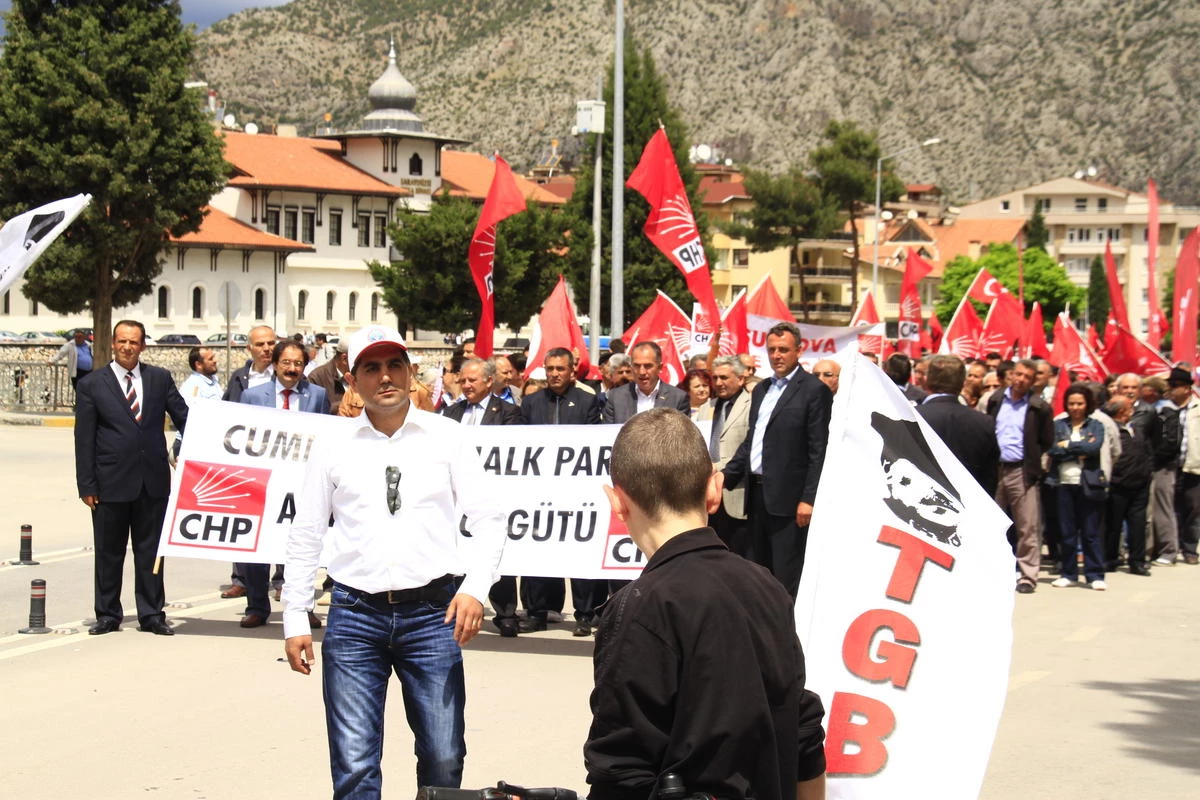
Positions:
(698, 385)
(1079, 488)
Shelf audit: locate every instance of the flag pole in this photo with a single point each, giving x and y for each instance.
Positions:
(618, 177)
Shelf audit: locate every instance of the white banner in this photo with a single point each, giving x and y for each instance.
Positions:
(26, 236)
(816, 341)
(234, 489)
(905, 607)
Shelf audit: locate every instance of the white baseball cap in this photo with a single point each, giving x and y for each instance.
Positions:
(371, 338)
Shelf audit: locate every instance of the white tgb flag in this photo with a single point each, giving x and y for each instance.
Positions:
(905, 607)
(26, 236)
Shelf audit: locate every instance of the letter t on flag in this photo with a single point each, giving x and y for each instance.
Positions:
(671, 224)
(503, 200)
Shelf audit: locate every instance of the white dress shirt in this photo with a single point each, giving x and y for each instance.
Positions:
(259, 378)
(293, 398)
(765, 410)
(372, 549)
(645, 402)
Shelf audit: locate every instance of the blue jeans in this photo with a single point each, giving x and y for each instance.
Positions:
(364, 642)
(1079, 525)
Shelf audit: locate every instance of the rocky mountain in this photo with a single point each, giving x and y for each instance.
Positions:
(1019, 90)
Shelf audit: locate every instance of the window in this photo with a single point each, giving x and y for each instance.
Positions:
(1145, 295)
(1102, 205)
(1044, 205)
(353, 305)
(741, 257)
(329, 298)
(364, 230)
(1078, 266)
(1081, 204)
(1099, 234)
(374, 308)
(1005, 205)
(380, 230)
(164, 302)
(1079, 235)
(415, 165)
(1145, 327)
(1114, 234)
(335, 227)
(272, 219)
(308, 227)
(289, 223)
(301, 304)
(260, 303)
(197, 303)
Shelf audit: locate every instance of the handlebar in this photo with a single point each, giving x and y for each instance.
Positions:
(502, 791)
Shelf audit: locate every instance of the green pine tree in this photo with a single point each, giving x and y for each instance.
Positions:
(1036, 232)
(92, 99)
(1098, 302)
(1045, 282)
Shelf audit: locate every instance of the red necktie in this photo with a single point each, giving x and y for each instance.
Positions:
(287, 403)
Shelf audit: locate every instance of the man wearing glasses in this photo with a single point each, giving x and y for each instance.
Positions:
(407, 593)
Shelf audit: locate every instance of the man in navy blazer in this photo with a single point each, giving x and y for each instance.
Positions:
(646, 391)
(782, 456)
(123, 475)
(288, 390)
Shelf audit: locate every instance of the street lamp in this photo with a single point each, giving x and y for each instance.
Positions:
(878, 209)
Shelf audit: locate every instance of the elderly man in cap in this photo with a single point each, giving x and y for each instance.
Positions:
(407, 595)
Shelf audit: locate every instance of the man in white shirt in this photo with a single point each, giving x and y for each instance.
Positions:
(407, 593)
(202, 384)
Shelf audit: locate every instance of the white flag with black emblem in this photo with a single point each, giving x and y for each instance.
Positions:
(26, 236)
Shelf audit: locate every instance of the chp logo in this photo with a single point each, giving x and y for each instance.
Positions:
(220, 506)
(919, 493)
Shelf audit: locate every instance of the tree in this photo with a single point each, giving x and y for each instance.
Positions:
(92, 99)
(846, 164)
(646, 270)
(432, 288)
(1098, 302)
(1045, 281)
(1036, 232)
(787, 210)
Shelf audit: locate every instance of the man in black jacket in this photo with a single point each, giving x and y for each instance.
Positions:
(781, 458)
(1128, 490)
(256, 371)
(698, 671)
(970, 435)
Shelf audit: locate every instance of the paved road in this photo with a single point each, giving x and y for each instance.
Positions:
(1104, 697)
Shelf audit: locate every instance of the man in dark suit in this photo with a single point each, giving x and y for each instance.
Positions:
(782, 456)
(970, 435)
(257, 371)
(647, 390)
(123, 476)
(289, 391)
(330, 376)
(898, 367)
(479, 406)
(561, 403)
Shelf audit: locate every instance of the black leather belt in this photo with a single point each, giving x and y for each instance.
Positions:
(434, 590)
(1012, 463)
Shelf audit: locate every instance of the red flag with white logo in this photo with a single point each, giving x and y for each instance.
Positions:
(1070, 351)
(1187, 276)
(909, 338)
(671, 224)
(1125, 353)
(503, 200)
(557, 326)
(936, 334)
(764, 301)
(867, 314)
(1003, 326)
(963, 332)
(665, 324)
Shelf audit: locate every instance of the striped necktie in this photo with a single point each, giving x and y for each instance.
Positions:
(131, 397)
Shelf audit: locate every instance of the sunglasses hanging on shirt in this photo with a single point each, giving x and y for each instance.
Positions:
(392, 475)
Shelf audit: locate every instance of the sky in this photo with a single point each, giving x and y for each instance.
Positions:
(201, 12)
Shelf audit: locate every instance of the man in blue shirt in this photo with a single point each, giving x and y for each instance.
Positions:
(78, 355)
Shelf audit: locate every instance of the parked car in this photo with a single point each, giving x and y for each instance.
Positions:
(42, 337)
(10, 337)
(235, 339)
(178, 338)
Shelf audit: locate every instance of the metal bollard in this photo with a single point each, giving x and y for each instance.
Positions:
(37, 607)
(26, 557)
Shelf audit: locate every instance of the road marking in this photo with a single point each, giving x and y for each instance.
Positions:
(1022, 679)
(1084, 634)
(50, 557)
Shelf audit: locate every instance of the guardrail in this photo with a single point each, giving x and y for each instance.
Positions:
(30, 386)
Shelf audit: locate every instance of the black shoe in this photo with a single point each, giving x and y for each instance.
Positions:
(158, 627)
(532, 625)
(1139, 569)
(582, 629)
(1025, 588)
(508, 628)
(106, 625)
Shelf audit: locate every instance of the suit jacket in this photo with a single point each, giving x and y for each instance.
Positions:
(970, 436)
(497, 412)
(1038, 432)
(239, 382)
(733, 432)
(326, 376)
(311, 398)
(621, 402)
(114, 455)
(574, 407)
(793, 445)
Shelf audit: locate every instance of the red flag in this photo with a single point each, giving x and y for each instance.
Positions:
(1157, 322)
(665, 324)
(1111, 331)
(1116, 297)
(1071, 352)
(503, 200)
(963, 332)
(985, 289)
(1125, 353)
(935, 333)
(671, 224)
(557, 326)
(1187, 276)
(867, 314)
(1003, 327)
(765, 301)
(1033, 342)
(909, 339)
(735, 333)
(1093, 338)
